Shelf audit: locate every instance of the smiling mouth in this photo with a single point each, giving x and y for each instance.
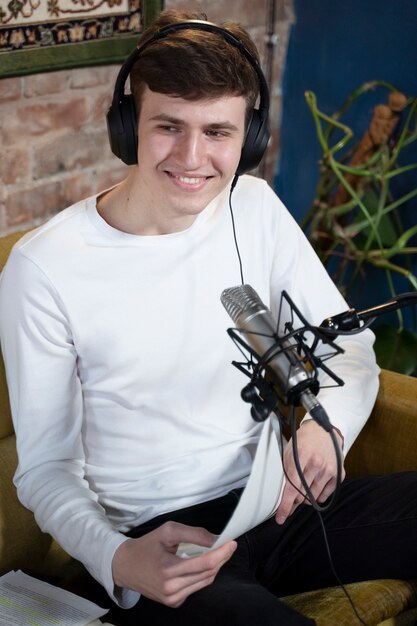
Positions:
(189, 180)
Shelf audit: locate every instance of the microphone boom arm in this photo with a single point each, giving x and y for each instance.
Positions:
(351, 319)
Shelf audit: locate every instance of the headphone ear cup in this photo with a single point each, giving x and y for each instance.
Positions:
(122, 130)
(256, 141)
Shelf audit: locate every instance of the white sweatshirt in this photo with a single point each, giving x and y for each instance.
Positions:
(124, 399)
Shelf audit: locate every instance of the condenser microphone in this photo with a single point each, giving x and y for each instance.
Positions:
(279, 355)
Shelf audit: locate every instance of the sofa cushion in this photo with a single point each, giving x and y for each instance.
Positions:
(409, 618)
(375, 600)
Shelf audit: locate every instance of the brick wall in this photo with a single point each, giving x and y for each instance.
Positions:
(53, 139)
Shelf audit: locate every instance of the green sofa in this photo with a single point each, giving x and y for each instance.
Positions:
(387, 443)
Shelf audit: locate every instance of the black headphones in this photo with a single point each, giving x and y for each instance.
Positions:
(122, 119)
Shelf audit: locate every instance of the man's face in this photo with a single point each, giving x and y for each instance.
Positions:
(188, 153)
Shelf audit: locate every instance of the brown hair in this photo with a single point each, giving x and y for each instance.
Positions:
(195, 64)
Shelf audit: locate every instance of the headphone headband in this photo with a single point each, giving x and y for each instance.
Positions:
(121, 117)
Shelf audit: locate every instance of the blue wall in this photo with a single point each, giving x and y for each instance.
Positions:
(335, 46)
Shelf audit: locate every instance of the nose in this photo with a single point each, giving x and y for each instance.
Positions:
(191, 150)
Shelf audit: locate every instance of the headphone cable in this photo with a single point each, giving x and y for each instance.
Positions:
(233, 185)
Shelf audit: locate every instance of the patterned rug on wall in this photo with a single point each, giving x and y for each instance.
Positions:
(37, 35)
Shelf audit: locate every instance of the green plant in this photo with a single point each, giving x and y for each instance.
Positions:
(355, 221)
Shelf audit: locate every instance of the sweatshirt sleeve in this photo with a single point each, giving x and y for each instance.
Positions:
(297, 269)
(47, 409)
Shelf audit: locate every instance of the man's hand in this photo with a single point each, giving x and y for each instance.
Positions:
(318, 462)
(150, 566)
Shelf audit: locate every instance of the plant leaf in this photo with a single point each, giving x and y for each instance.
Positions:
(386, 227)
(396, 349)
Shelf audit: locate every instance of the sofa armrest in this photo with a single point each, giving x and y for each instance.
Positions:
(20, 538)
(22, 544)
(388, 441)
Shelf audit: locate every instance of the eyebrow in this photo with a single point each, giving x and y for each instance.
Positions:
(163, 117)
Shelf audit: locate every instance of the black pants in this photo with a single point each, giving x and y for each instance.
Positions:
(372, 533)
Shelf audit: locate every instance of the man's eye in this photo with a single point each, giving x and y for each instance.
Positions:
(168, 128)
(216, 133)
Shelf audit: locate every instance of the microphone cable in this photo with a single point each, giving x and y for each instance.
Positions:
(316, 506)
(320, 508)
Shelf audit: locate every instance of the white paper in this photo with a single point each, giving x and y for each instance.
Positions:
(261, 496)
(26, 601)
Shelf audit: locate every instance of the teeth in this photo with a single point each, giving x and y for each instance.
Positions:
(189, 181)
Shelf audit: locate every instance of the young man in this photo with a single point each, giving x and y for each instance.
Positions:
(132, 435)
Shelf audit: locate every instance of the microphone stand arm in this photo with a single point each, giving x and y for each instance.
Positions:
(351, 319)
